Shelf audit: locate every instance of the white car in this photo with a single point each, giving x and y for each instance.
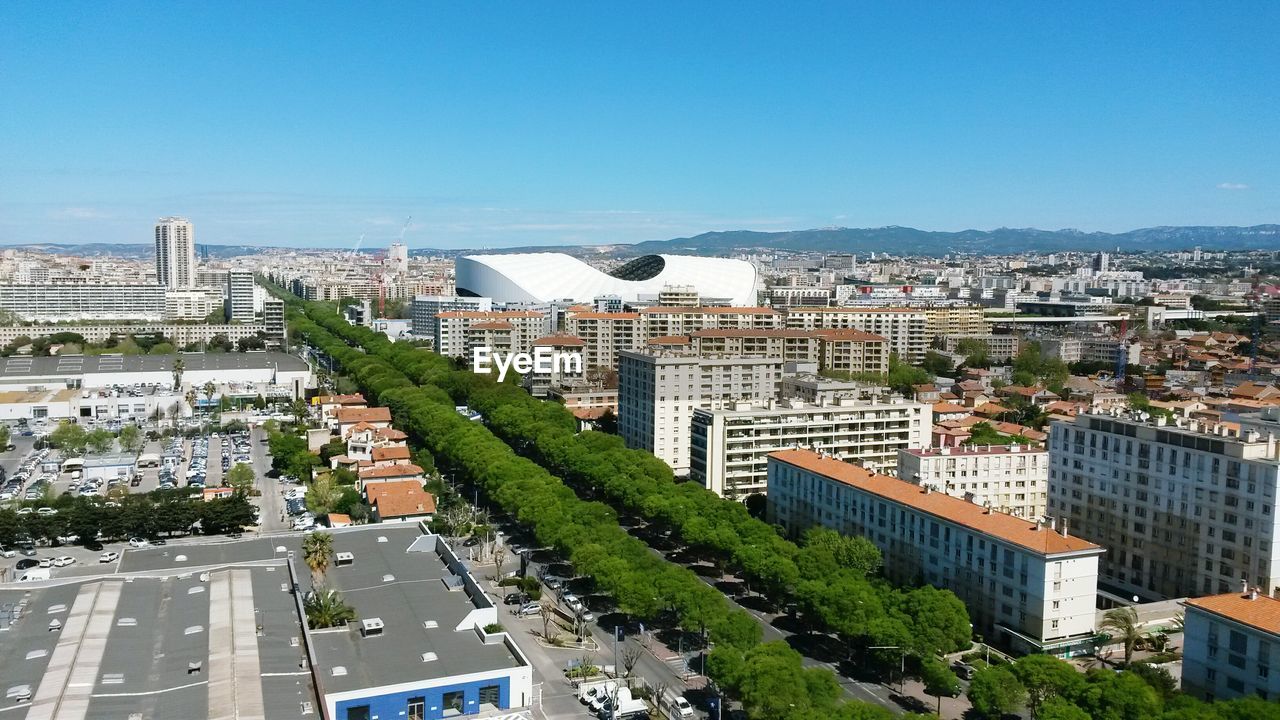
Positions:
(25, 511)
(46, 511)
(63, 561)
(6, 552)
(109, 557)
(138, 542)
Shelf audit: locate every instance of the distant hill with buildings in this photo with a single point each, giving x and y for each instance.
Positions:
(893, 239)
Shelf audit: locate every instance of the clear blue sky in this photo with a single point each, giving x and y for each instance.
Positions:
(498, 124)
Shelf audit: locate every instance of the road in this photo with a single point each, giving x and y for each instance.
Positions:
(271, 500)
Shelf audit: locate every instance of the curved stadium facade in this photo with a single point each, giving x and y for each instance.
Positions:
(543, 277)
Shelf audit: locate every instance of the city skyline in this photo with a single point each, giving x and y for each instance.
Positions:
(513, 126)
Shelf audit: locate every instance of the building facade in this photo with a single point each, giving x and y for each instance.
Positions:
(1010, 479)
(175, 252)
(604, 335)
(904, 328)
(1027, 587)
(730, 447)
(1183, 509)
(425, 308)
(240, 288)
(1230, 643)
(658, 392)
(458, 332)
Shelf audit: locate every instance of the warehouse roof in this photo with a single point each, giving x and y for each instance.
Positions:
(76, 365)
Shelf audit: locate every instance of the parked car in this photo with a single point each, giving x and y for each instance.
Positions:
(138, 542)
(529, 609)
(26, 563)
(63, 561)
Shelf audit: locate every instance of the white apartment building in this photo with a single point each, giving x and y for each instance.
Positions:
(192, 304)
(458, 332)
(273, 323)
(604, 335)
(53, 303)
(240, 295)
(672, 321)
(904, 328)
(175, 252)
(1028, 587)
(730, 447)
(1090, 349)
(1183, 509)
(1230, 643)
(1010, 479)
(658, 392)
(425, 308)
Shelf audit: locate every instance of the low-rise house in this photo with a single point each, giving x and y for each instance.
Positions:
(400, 501)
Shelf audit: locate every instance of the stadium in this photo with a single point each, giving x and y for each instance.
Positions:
(544, 277)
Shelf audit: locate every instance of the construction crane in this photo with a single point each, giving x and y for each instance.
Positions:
(381, 276)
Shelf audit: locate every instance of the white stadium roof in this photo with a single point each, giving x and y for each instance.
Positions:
(543, 277)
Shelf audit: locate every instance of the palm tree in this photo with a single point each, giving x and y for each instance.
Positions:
(1122, 624)
(317, 550)
(178, 368)
(325, 609)
(209, 391)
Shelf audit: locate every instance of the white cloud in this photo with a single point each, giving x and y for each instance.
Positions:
(1232, 186)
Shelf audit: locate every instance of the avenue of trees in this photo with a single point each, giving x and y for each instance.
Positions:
(826, 577)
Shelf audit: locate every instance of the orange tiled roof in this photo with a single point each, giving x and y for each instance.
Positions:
(711, 310)
(393, 471)
(1011, 529)
(946, 408)
(1262, 613)
(848, 335)
(605, 316)
(394, 452)
(400, 499)
(558, 341)
(492, 325)
(669, 340)
(358, 415)
(352, 399)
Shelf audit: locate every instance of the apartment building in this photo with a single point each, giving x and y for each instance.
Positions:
(1010, 479)
(670, 321)
(457, 332)
(789, 345)
(658, 392)
(240, 287)
(730, 446)
(962, 319)
(904, 328)
(1183, 509)
(1000, 348)
(175, 252)
(853, 351)
(1230, 643)
(1028, 587)
(425, 308)
(1091, 349)
(53, 303)
(273, 322)
(604, 335)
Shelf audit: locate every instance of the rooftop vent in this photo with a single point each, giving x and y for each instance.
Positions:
(57, 609)
(37, 654)
(19, 693)
(113, 678)
(430, 624)
(127, 622)
(195, 590)
(388, 578)
(193, 630)
(382, 538)
(180, 558)
(195, 666)
(428, 657)
(371, 627)
(343, 558)
(338, 670)
(55, 625)
(306, 709)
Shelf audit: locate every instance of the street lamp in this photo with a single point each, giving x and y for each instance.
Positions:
(902, 671)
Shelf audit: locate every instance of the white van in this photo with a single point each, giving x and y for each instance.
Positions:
(675, 707)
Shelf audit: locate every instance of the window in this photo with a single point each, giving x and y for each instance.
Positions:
(453, 702)
(360, 712)
(417, 708)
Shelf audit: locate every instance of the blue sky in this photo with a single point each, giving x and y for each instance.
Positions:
(496, 124)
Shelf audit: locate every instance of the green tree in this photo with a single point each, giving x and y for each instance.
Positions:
(323, 495)
(849, 552)
(1122, 624)
(100, 441)
(6, 434)
(163, 348)
(240, 477)
(131, 439)
(225, 515)
(1046, 677)
(179, 367)
(69, 437)
(300, 411)
(317, 552)
(939, 680)
(1057, 708)
(903, 376)
(995, 692)
(325, 608)
(209, 390)
(936, 363)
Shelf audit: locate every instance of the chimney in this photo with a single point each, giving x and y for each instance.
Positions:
(1064, 526)
(1253, 594)
(1244, 587)
(928, 488)
(1039, 524)
(1053, 523)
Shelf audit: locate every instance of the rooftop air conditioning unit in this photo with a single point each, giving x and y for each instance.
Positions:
(371, 627)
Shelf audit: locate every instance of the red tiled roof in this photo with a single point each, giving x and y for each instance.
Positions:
(401, 499)
(605, 316)
(492, 325)
(391, 471)
(395, 452)
(1011, 529)
(847, 335)
(1262, 613)
(558, 341)
(711, 310)
(352, 399)
(358, 415)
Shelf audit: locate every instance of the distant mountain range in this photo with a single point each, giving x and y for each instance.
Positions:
(894, 239)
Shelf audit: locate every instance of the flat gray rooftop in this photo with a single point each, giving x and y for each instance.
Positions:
(173, 646)
(74, 365)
